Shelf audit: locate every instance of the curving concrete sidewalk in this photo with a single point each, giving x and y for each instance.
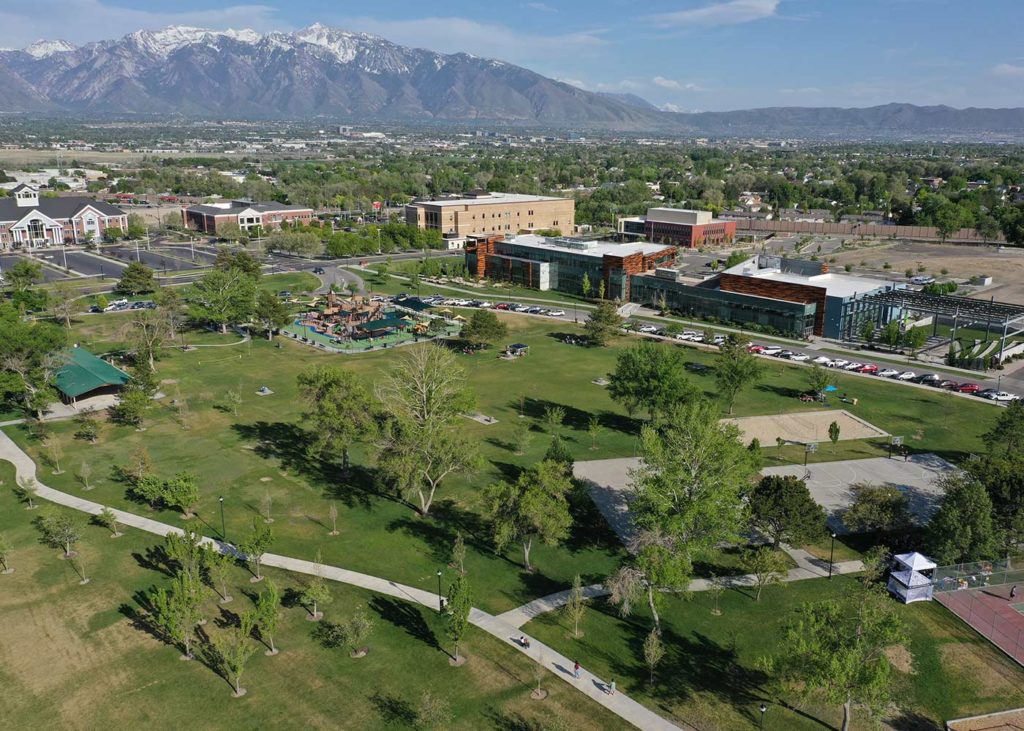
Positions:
(561, 666)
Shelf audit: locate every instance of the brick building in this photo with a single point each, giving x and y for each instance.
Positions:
(28, 221)
(247, 214)
(563, 264)
(480, 213)
(678, 227)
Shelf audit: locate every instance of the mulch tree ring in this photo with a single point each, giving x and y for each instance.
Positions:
(361, 652)
(255, 579)
(538, 694)
(239, 693)
(7, 571)
(226, 600)
(314, 617)
(271, 653)
(456, 662)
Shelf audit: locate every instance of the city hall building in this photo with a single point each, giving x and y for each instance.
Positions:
(28, 221)
(247, 214)
(679, 227)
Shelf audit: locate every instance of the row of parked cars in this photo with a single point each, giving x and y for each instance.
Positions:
(123, 305)
(927, 379)
(437, 300)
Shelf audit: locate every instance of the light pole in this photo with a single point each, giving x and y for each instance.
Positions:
(440, 599)
(831, 555)
(223, 528)
(764, 709)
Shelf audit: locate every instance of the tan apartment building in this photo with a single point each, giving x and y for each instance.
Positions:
(479, 213)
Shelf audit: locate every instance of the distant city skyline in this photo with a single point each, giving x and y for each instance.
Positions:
(685, 55)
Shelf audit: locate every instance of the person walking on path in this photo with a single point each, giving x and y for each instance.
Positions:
(576, 669)
(1013, 592)
(611, 687)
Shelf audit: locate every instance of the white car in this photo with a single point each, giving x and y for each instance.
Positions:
(889, 373)
(771, 350)
(800, 357)
(684, 336)
(853, 366)
(1001, 396)
(719, 340)
(823, 360)
(556, 313)
(839, 363)
(906, 376)
(649, 329)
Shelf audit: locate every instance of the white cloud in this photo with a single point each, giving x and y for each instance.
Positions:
(801, 90)
(81, 21)
(490, 40)
(579, 84)
(1008, 70)
(674, 85)
(540, 7)
(671, 108)
(731, 12)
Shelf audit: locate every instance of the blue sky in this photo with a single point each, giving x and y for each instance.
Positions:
(680, 54)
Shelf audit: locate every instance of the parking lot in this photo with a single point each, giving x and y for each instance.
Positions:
(9, 260)
(159, 260)
(89, 264)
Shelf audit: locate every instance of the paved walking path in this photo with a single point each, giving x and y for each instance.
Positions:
(588, 684)
(808, 567)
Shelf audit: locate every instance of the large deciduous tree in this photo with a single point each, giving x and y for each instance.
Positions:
(484, 328)
(270, 313)
(421, 443)
(782, 508)
(603, 323)
(688, 498)
(735, 370)
(652, 377)
(146, 332)
(877, 507)
(340, 411)
(137, 278)
(31, 353)
(962, 530)
(839, 647)
(535, 506)
(222, 297)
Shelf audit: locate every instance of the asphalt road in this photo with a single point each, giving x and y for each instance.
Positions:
(88, 264)
(159, 261)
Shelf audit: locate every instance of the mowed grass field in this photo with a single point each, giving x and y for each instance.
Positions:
(713, 674)
(261, 451)
(72, 657)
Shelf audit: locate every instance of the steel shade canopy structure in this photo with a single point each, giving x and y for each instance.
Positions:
(964, 311)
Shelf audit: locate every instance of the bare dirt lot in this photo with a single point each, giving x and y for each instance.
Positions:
(1006, 267)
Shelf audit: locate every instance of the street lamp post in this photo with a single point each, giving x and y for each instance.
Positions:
(440, 599)
(764, 709)
(223, 528)
(831, 555)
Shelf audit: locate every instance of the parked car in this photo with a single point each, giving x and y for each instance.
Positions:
(800, 357)
(787, 354)
(520, 308)
(929, 379)
(946, 383)
(750, 348)
(137, 306)
(968, 388)
(839, 363)
(284, 293)
(719, 340)
(888, 373)
(649, 329)
(95, 308)
(869, 368)
(556, 313)
(771, 350)
(853, 366)
(823, 360)
(906, 376)
(1001, 396)
(318, 270)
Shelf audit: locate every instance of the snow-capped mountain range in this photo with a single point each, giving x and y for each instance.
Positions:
(313, 71)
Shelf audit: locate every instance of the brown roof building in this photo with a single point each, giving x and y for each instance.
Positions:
(480, 213)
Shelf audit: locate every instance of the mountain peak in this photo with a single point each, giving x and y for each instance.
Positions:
(45, 49)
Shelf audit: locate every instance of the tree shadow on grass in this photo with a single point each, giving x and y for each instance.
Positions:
(288, 443)
(783, 391)
(589, 527)
(535, 408)
(393, 710)
(439, 530)
(912, 721)
(408, 617)
(156, 559)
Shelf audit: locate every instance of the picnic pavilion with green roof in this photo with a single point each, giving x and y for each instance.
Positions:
(85, 374)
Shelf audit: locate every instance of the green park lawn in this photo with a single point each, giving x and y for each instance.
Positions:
(295, 282)
(262, 451)
(713, 673)
(75, 656)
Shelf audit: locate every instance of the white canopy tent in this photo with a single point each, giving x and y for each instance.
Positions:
(907, 580)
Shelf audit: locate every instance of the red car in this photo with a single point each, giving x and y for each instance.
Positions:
(968, 388)
(869, 368)
(501, 306)
(755, 349)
